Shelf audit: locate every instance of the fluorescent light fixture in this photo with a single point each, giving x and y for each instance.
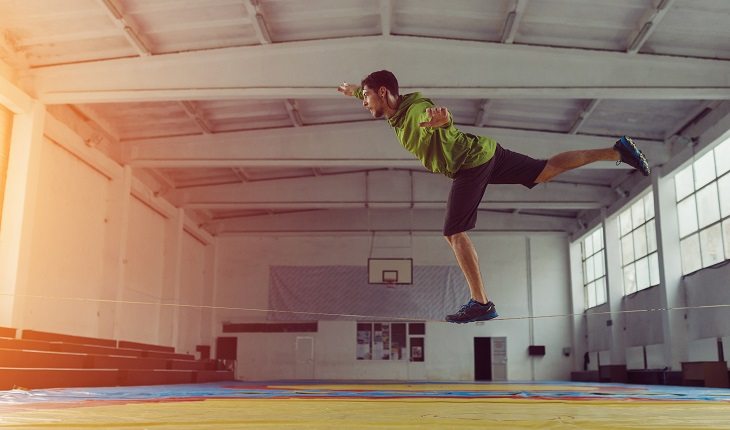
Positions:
(134, 38)
(663, 4)
(297, 118)
(508, 25)
(203, 126)
(112, 8)
(264, 29)
(641, 37)
(291, 107)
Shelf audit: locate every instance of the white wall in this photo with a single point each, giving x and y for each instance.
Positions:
(643, 328)
(102, 257)
(635, 357)
(243, 280)
(68, 234)
(708, 287)
(655, 356)
(599, 333)
(703, 349)
(193, 290)
(551, 296)
(6, 124)
(144, 276)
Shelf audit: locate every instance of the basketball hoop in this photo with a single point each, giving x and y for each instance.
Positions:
(390, 284)
(390, 270)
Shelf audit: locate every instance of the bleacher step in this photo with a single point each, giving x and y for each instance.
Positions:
(37, 378)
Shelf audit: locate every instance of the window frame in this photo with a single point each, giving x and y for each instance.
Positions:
(693, 237)
(648, 254)
(412, 330)
(592, 283)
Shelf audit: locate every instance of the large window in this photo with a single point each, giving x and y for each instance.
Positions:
(703, 208)
(594, 269)
(639, 258)
(391, 341)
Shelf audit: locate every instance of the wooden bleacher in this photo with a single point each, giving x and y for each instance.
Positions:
(585, 376)
(654, 376)
(705, 374)
(613, 373)
(7, 332)
(36, 359)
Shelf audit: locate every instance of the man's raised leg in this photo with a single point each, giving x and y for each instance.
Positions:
(565, 161)
(624, 151)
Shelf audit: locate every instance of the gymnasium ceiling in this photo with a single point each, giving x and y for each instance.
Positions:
(228, 108)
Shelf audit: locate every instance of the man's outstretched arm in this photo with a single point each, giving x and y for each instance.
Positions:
(350, 90)
(438, 116)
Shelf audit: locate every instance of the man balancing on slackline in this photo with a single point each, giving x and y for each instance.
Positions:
(473, 162)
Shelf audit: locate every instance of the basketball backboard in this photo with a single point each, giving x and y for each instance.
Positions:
(390, 270)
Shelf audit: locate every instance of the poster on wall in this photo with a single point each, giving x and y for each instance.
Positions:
(386, 342)
(395, 350)
(417, 349)
(364, 332)
(398, 341)
(377, 341)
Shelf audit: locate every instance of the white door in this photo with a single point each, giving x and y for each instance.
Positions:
(499, 359)
(304, 366)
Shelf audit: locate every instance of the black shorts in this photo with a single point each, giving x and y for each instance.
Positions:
(467, 189)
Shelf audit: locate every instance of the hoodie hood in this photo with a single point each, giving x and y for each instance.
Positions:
(406, 102)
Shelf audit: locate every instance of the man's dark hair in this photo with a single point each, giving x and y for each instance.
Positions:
(381, 78)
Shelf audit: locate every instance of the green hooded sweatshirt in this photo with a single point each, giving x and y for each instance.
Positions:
(443, 149)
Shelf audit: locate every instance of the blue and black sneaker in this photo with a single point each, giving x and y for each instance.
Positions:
(631, 155)
(473, 311)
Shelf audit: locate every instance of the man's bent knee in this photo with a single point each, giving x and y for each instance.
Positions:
(547, 173)
(455, 238)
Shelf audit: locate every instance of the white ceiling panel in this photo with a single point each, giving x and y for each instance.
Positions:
(273, 173)
(327, 111)
(193, 27)
(650, 119)
(290, 20)
(695, 28)
(151, 119)
(591, 24)
(462, 19)
(230, 115)
(185, 178)
(537, 114)
(54, 32)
